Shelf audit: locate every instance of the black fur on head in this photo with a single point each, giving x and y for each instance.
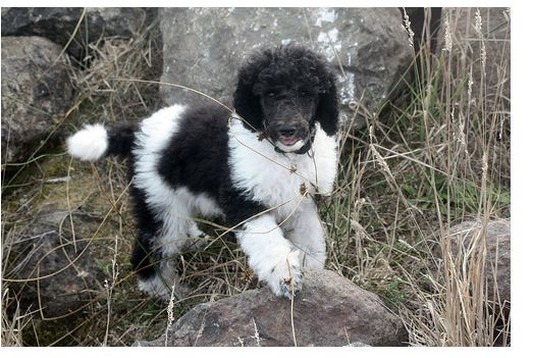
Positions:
(283, 91)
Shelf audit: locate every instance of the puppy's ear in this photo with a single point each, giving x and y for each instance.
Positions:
(245, 101)
(328, 106)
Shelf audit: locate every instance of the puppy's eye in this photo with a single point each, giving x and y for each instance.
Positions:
(271, 94)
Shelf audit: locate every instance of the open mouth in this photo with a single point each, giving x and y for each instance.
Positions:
(288, 141)
(289, 144)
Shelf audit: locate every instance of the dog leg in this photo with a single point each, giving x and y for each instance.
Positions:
(271, 256)
(160, 284)
(305, 231)
(155, 257)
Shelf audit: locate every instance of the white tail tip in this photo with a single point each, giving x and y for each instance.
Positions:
(89, 144)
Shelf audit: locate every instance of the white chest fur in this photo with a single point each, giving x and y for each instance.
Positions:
(281, 181)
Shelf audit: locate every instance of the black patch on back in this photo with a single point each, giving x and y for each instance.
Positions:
(197, 155)
(197, 158)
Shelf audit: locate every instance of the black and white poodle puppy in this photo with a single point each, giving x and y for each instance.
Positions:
(258, 168)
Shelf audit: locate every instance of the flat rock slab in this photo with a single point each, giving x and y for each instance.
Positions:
(329, 311)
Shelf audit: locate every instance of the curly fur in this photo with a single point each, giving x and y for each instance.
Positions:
(258, 170)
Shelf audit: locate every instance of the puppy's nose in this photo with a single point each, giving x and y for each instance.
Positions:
(287, 131)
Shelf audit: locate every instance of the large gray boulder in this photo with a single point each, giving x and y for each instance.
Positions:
(329, 311)
(36, 92)
(203, 48)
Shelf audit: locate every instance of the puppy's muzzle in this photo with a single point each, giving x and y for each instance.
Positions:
(289, 137)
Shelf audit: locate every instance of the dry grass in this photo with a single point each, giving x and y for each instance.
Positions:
(441, 158)
(435, 158)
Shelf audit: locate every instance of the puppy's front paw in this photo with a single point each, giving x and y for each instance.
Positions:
(286, 277)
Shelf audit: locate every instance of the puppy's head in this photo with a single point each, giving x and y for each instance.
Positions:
(283, 92)
(288, 112)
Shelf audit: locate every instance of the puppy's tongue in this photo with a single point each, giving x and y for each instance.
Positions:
(288, 141)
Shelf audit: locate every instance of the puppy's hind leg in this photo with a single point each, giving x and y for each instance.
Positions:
(156, 275)
(173, 238)
(154, 258)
